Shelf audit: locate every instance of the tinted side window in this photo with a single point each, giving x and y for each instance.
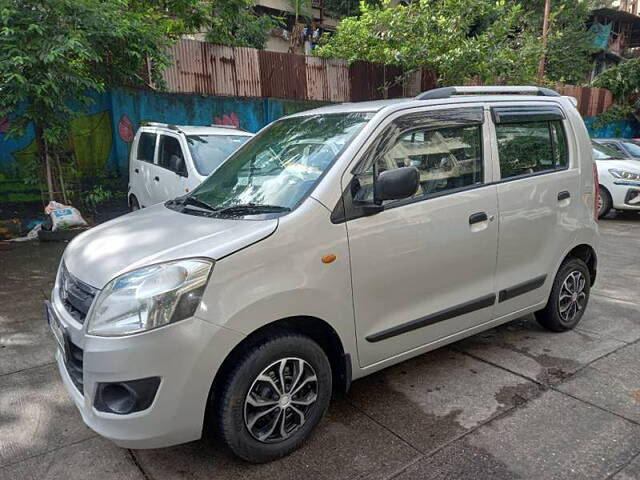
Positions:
(531, 147)
(146, 146)
(170, 147)
(448, 159)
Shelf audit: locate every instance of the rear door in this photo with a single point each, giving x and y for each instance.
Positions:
(168, 181)
(142, 166)
(538, 194)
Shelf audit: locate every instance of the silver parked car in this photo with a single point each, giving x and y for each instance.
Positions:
(334, 243)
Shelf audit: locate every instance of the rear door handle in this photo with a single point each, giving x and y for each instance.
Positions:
(157, 179)
(478, 217)
(563, 195)
(136, 170)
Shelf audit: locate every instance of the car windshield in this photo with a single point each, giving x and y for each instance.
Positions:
(600, 152)
(278, 167)
(209, 151)
(632, 147)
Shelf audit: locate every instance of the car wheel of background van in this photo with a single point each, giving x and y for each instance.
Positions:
(604, 202)
(569, 297)
(133, 204)
(274, 397)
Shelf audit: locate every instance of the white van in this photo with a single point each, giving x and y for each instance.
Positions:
(336, 242)
(167, 161)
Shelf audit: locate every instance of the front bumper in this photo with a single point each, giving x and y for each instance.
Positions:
(625, 195)
(185, 355)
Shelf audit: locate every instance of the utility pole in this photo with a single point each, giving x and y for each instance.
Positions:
(545, 32)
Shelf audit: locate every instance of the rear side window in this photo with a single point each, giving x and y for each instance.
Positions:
(526, 148)
(146, 146)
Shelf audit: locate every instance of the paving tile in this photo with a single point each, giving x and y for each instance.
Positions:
(36, 414)
(612, 383)
(613, 318)
(618, 272)
(537, 441)
(346, 445)
(91, 459)
(432, 399)
(524, 347)
(630, 472)
(25, 345)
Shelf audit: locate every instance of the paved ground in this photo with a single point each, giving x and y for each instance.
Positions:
(514, 402)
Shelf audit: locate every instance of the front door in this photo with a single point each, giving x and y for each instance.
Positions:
(169, 181)
(423, 268)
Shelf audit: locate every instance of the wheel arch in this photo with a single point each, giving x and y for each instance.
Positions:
(315, 328)
(588, 255)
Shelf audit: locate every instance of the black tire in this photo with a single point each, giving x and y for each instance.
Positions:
(133, 204)
(555, 316)
(606, 202)
(234, 391)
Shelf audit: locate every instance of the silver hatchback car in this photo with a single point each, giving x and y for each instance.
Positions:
(336, 242)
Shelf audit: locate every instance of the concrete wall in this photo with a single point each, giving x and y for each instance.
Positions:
(100, 137)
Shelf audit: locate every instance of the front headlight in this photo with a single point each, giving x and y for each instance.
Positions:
(149, 297)
(624, 174)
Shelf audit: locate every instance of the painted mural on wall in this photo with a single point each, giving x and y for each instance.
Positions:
(100, 138)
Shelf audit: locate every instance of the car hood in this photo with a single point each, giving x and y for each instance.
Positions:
(631, 165)
(156, 234)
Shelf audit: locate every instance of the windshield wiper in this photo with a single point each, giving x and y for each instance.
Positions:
(250, 208)
(193, 201)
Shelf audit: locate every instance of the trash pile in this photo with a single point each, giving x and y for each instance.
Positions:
(65, 222)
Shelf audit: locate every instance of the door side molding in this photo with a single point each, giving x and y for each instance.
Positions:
(440, 316)
(521, 288)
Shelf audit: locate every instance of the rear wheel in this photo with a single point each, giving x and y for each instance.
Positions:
(274, 397)
(569, 297)
(604, 202)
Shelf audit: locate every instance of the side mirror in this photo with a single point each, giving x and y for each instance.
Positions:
(397, 184)
(177, 165)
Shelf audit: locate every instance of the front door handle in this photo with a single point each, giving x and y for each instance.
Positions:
(136, 170)
(157, 179)
(478, 217)
(563, 195)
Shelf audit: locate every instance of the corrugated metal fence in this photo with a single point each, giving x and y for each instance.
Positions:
(209, 69)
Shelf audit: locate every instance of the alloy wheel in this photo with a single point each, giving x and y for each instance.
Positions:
(279, 400)
(572, 297)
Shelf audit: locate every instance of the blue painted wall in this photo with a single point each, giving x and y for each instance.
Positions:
(100, 137)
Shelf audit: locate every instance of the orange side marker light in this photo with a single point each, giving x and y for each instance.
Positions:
(328, 258)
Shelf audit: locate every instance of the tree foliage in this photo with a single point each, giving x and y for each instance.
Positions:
(570, 45)
(461, 40)
(234, 23)
(623, 81)
(52, 52)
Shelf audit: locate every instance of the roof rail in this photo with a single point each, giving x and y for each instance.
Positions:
(229, 126)
(447, 92)
(160, 124)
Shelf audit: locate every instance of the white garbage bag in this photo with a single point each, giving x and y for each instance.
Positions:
(64, 216)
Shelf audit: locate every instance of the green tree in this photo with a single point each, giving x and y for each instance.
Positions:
(623, 81)
(53, 52)
(234, 23)
(570, 45)
(460, 40)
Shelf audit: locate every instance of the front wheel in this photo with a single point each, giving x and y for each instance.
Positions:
(604, 202)
(274, 397)
(569, 297)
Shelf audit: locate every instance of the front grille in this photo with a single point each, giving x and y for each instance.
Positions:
(76, 295)
(73, 362)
